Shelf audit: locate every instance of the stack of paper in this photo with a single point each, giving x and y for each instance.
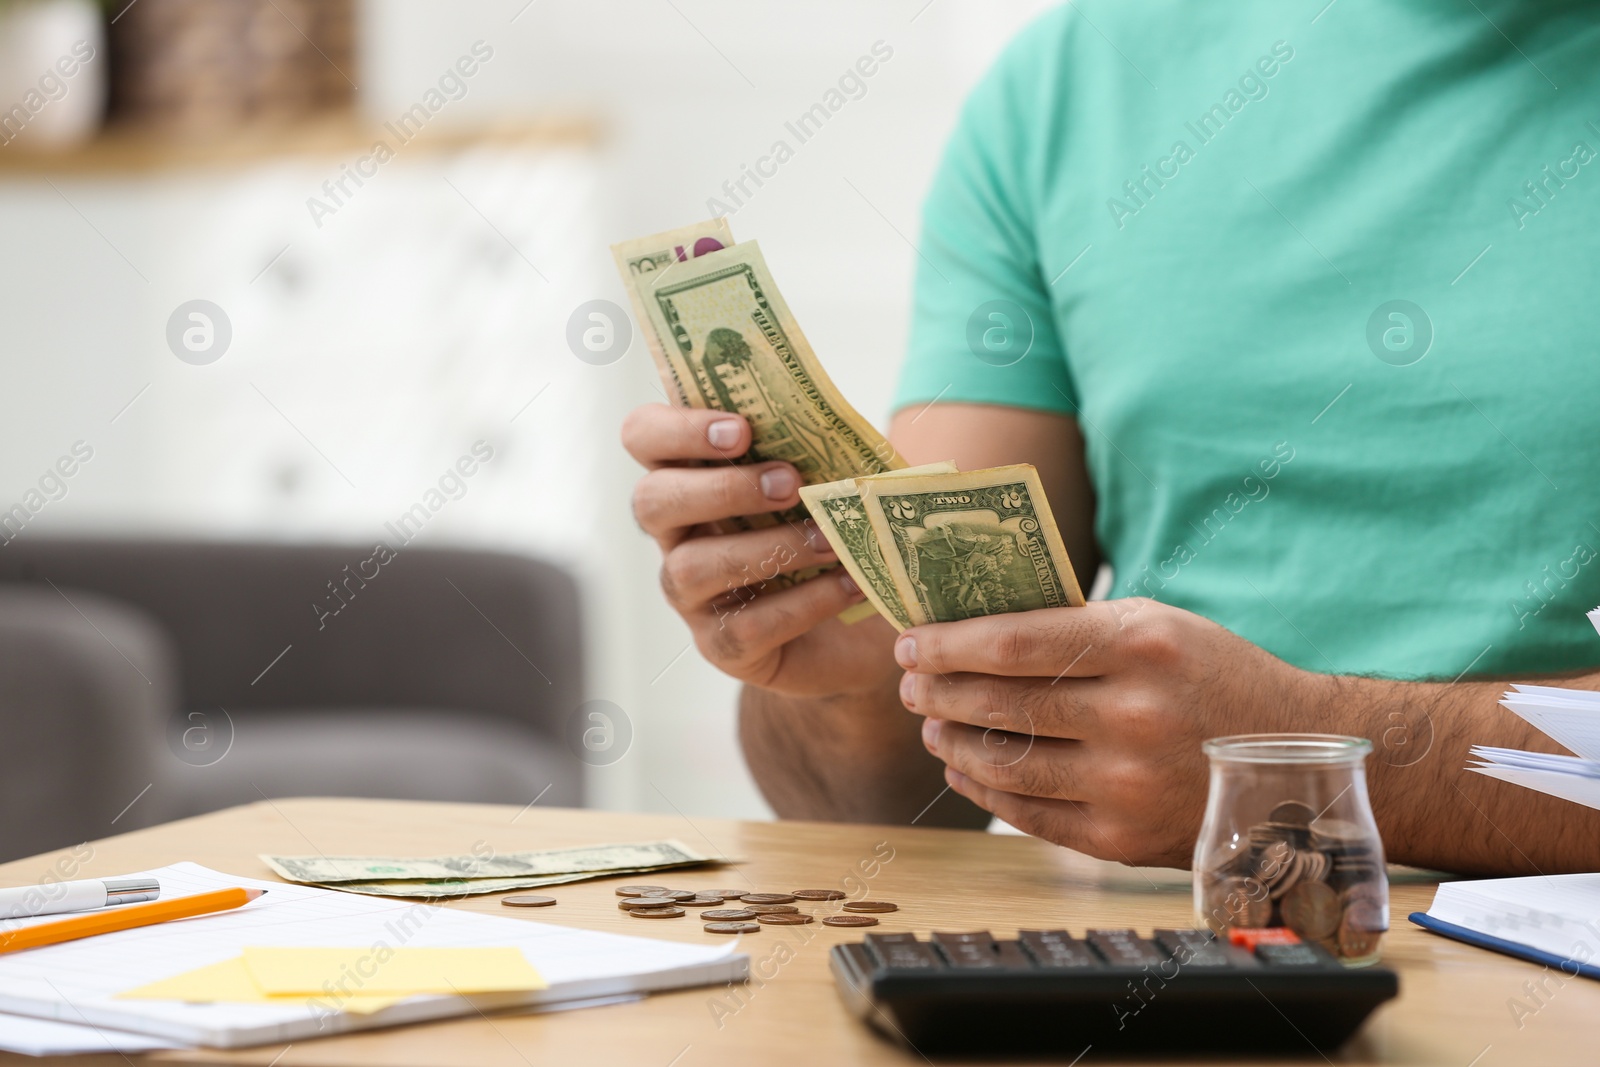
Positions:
(303, 962)
(1570, 717)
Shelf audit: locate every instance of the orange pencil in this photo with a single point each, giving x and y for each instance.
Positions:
(125, 918)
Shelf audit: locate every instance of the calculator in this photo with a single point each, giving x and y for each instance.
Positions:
(1110, 991)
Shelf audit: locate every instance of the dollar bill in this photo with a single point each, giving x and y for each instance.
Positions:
(731, 342)
(648, 257)
(647, 855)
(979, 543)
(443, 888)
(836, 509)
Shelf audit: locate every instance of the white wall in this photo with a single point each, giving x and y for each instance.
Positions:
(405, 327)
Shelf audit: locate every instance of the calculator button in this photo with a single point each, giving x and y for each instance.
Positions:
(1269, 935)
(1126, 951)
(1301, 955)
(902, 952)
(1193, 948)
(1057, 949)
(968, 951)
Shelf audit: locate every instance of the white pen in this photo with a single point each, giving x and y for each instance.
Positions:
(52, 899)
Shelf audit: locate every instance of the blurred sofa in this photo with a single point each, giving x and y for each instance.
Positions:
(142, 681)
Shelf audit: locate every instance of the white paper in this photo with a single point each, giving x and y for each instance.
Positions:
(40, 1037)
(77, 982)
(1558, 914)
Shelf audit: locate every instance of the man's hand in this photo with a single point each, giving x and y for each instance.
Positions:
(784, 639)
(1083, 725)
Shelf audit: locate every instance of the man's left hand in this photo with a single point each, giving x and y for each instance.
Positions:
(1083, 725)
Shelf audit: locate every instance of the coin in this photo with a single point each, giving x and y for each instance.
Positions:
(871, 906)
(1241, 902)
(767, 898)
(728, 894)
(640, 890)
(1311, 909)
(675, 894)
(728, 914)
(669, 912)
(818, 894)
(849, 920)
(701, 900)
(732, 928)
(645, 902)
(1274, 863)
(783, 919)
(1292, 813)
(1336, 833)
(771, 909)
(527, 900)
(1361, 929)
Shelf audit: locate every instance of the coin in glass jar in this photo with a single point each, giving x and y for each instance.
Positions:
(1312, 910)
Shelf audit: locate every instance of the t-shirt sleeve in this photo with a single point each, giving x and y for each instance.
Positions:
(983, 329)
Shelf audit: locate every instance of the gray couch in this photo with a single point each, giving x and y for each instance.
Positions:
(217, 674)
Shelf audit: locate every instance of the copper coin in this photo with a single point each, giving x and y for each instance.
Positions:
(646, 902)
(849, 920)
(656, 906)
(1311, 909)
(818, 894)
(727, 894)
(700, 900)
(1292, 813)
(1362, 927)
(641, 890)
(675, 894)
(527, 900)
(783, 919)
(728, 914)
(657, 913)
(771, 909)
(768, 898)
(1240, 902)
(871, 906)
(732, 928)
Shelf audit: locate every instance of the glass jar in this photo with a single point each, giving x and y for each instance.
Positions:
(1289, 840)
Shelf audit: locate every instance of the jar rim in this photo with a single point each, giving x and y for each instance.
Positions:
(1299, 749)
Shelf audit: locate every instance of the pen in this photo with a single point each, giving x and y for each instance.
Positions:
(24, 901)
(111, 920)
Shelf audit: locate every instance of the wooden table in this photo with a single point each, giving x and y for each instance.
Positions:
(1454, 1006)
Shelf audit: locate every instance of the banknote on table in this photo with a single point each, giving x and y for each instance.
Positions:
(593, 859)
(836, 509)
(962, 545)
(448, 888)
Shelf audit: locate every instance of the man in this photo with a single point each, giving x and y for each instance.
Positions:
(1303, 297)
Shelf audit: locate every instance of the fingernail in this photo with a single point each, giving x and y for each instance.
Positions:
(905, 651)
(848, 584)
(930, 732)
(908, 691)
(724, 433)
(814, 538)
(779, 483)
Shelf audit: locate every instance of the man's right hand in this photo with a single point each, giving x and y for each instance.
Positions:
(783, 639)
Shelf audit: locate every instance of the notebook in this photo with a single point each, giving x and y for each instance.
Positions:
(1570, 717)
(78, 982)
(1553, 920)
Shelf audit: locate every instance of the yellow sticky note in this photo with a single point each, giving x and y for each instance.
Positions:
(390, 972)
(229, 982)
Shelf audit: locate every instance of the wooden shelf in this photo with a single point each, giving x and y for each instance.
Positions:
(126, 149)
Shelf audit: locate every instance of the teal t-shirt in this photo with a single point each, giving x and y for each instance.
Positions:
(1319, 283)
